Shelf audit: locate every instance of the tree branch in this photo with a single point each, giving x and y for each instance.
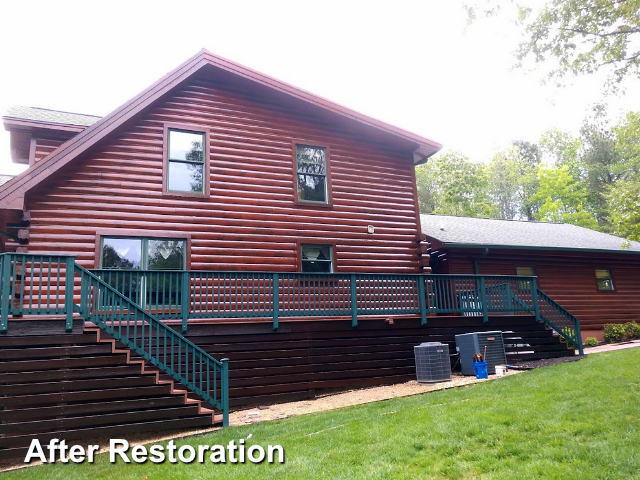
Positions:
(603, 35)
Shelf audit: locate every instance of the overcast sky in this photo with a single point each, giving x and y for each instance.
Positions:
(412, 64)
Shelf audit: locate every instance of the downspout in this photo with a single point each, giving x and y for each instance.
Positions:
(475, 262)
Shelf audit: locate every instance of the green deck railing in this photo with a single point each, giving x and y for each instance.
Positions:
(182, 295)
(280, 295)
(40, 284)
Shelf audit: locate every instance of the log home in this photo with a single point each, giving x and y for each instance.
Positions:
(593, 275)
(222, 239)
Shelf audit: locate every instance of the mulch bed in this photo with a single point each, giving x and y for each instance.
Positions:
(546, 362)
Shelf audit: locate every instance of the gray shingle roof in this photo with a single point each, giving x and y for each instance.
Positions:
(51, 116)
(520, 234)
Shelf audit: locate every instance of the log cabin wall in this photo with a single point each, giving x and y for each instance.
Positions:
(44, 146)
(249, 221)
(570, 280)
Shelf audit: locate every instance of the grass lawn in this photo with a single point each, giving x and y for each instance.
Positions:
(575, 420)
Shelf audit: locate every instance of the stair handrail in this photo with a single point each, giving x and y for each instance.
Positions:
(570, 331)
(189, 361)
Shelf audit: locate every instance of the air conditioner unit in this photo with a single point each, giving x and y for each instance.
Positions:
(432, 362)
(469, 344)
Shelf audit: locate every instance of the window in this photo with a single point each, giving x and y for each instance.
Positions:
(525, 272)
(186, 161)
(603, 278)
(142, 253)
(312, 174)
(126, 260)
(316, 258)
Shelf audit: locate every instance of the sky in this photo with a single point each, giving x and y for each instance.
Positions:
(414, 64)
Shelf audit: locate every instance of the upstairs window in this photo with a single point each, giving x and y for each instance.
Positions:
(312, 175)
(603, 279)
(316, 258)
(186, 162)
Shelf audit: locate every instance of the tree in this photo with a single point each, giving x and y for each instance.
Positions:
(623, 197)
(561, 148)
(599, 163)
(504, 183)
(576, 37)
(450, 184)
(624, 202)
(563, 198)
(513, 180)
(582, 37)
(627, 135)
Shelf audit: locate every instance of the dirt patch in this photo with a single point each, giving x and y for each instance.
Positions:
(546, 362)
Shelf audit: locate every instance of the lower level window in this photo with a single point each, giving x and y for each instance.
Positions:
(525, 272)
(143, 253)
(316, 258)
(146, 270)
(603, 278)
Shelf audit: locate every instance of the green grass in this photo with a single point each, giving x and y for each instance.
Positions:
(575, 420)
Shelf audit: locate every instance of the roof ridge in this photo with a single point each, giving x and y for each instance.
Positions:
(500, 219)
(56, 111)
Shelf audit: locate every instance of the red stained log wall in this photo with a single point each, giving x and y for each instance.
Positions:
(569, 279)
(250, 221)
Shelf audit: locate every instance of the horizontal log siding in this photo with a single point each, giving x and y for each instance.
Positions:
(250, 221)
(570, 281)
(44, 146)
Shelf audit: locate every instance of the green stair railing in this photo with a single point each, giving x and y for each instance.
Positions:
(556, 317)
(559, 319)
(39, 284)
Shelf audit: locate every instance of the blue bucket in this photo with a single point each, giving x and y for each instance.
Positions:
(480, 368)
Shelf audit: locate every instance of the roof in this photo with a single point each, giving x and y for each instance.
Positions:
(12, 194)
(468, 232)
(50, 116)
(5, 178)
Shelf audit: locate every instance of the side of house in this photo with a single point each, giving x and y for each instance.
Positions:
(594, 276)
(222, 174)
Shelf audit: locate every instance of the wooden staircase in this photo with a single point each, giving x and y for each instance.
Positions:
(82, 387)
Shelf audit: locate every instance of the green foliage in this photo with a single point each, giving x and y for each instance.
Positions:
(513, 180)
(583, 37)
(562, 198)
(614, 332)
(450, 184)
(631, 331)
(592, 181)
(574, 37)
(549, 423)
(591, 342)
(623, 199)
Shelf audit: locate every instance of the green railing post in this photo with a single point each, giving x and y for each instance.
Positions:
(6, 292)
(185, 299)
(576, 329)
(224, 393)
(534, 298)
(276, 299)
(483, 299)
(68, 292)
(354, 301)
(422, 300)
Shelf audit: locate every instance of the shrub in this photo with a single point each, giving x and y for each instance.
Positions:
(632, 331)
(591, 342)
(613, 332)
